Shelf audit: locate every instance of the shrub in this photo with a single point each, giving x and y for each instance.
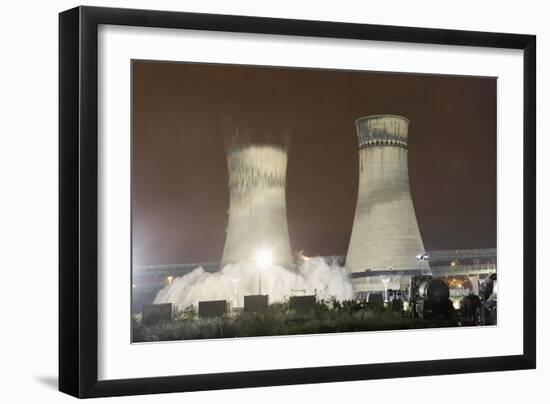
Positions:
(328, 316)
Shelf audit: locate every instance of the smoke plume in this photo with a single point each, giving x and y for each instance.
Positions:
(313, 276)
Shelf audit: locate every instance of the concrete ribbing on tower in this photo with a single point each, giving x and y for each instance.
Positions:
(257, 204)
(385, 232)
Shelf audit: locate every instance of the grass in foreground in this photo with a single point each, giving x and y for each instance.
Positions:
(277, 319)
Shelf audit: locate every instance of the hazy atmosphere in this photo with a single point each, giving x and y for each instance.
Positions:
(185, 115)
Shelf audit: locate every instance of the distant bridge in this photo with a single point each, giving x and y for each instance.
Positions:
(442, 263)
(470, 270)
(153, 276)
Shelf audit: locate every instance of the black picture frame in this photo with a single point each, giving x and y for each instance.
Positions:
(78, 196)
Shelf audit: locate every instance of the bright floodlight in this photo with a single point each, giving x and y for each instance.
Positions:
(264, 258)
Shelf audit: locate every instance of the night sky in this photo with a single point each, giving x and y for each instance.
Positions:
(185, 115)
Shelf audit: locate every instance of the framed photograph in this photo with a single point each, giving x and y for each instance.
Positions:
(251, 201)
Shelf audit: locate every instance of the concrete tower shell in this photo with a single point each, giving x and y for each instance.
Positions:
(257, 204)
(385, 232)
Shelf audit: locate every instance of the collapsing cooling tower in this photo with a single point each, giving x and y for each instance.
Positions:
(385, 233)
(257, 205)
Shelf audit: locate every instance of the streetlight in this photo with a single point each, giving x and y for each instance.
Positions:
(263, 259)
(422, 257)
(235, 282)
(385, 280)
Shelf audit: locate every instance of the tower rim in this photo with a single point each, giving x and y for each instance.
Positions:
(368, 117)
(246, 145)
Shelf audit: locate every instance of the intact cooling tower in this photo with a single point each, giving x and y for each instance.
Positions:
(257, 205)
(385, 234)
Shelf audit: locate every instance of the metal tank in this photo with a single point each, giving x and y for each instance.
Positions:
(385, 234)
(435, 291)
(257, 222)
(430, 298)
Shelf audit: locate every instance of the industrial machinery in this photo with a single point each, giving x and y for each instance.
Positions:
(429, 298)
(376, 299)
(156, 313)
(302, 303)
(470, 307)
(254, 303)
(486, 313)
(482, 309)
(213, 308)
(487, 287)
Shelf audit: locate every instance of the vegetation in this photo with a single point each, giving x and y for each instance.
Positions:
(326, 317)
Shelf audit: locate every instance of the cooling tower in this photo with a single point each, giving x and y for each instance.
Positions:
(385, 234)
(257, 205)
